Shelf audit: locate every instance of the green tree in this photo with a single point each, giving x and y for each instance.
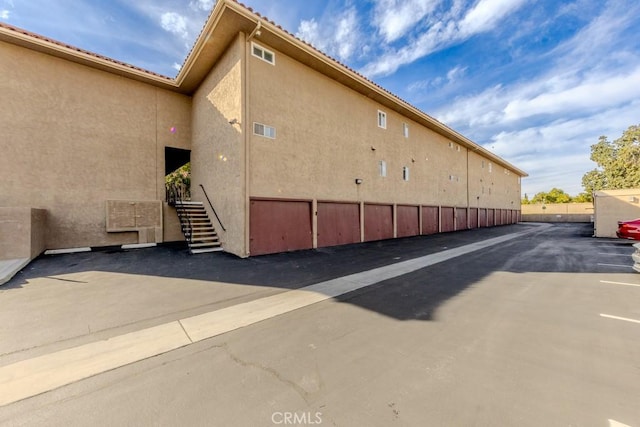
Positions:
(618, 163)
(583, 197)
(555, 195)
(525, 200)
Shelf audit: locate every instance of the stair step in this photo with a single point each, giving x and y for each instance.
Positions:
(205, 250)
(197, 228)
(205, 239)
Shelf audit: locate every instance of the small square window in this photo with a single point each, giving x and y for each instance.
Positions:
(262, 53)
(383, 168)
(264, 130)
(405, 130)
(490, 167)
(382, 119)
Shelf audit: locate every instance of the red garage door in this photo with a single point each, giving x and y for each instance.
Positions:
(429, 219)
(461, 218)
(338, 223)
(408, 220)
(446, 219)
(279, 226)
(378, 222)
(483, 217)
(473, 218)
(491, 217)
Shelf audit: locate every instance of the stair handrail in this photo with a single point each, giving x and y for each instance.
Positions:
(185, 223)
(212, 208)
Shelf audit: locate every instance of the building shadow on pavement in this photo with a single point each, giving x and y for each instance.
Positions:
(412, 296)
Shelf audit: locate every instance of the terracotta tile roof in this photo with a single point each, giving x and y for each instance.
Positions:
(77, 49)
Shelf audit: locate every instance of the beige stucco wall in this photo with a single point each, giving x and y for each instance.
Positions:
(558, 212)
(325, 133)
(612, 206)
(74, 137)
(218, 151)
(22, 232)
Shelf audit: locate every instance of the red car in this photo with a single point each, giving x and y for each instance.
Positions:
(629, 229)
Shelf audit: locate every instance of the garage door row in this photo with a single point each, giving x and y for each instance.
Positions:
(287, 225)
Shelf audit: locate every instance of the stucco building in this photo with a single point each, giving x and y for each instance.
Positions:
(294, 149)
(612, 206)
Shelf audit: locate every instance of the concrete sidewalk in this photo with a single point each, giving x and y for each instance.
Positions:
(40, 374)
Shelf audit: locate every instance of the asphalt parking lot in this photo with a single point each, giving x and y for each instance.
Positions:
(540, 329)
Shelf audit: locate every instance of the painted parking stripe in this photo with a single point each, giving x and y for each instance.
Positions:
(626, 319)
(44, 373)
(619, 283)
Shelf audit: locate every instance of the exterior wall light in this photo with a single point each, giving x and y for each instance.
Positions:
(358, 181)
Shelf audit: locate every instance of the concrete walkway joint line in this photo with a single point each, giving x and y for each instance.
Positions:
(31, 377)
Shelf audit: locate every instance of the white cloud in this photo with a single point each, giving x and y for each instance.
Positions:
(452, 76)
(174, 23)
(394, 18)
(455, 73)
(586, 95)
(176, 66)
(486, 14)
(205, 5)
(308, 31)
(338, 36)
(556, 154)
(446, 30)
(4, 14)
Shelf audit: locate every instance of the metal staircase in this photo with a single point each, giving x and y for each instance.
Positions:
(197, 228)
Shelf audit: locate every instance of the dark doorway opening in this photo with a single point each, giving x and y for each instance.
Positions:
(175, 158)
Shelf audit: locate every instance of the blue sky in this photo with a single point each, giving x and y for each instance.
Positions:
(535, 81)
